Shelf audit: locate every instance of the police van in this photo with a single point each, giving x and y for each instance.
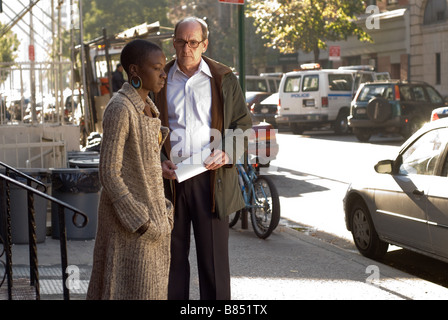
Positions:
(314, 97)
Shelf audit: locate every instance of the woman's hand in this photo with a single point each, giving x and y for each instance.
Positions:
(168, 168)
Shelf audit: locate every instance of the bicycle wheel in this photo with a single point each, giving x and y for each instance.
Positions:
(233, 218)
(265, 210)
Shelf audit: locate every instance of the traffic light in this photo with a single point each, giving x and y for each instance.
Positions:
(1, 9)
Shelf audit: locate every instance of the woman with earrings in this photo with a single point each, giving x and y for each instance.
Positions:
(131, 257)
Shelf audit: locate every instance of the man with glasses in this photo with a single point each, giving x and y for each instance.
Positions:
(202, 97)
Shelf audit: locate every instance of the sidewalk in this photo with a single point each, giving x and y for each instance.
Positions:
(289, 265)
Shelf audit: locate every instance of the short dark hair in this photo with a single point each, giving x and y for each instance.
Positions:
(203, 24)
(136, 52)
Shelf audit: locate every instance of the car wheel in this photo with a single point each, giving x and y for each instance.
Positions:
(379, 109)
(364, 234)
(362, 135)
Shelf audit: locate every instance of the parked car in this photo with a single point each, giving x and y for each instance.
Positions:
(267, 109)
(404, 201)
(392, 107)
(316, 98)
(17, 106)
(255, 97)
(439, 113)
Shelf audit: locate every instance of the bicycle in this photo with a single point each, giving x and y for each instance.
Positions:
(261, 199)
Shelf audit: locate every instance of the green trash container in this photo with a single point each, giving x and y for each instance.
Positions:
(79, 188)
(19, 207)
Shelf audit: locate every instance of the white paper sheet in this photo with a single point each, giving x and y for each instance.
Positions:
(192, 166)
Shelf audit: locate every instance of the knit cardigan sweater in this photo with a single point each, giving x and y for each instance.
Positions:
(126, 263)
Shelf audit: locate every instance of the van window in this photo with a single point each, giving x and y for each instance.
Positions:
(277, 84)
(366, 77)
(310, 83)
(272, 85)
(292, 84)
(340, 82)
(256, 85)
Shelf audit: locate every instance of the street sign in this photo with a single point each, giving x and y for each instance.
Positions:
(334, 53)
(232, 1)
(31, 52)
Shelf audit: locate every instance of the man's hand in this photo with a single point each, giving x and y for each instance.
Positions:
(168, 168)
(216, 159)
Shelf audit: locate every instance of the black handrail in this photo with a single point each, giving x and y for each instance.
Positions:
(24, 175)
(34, 276)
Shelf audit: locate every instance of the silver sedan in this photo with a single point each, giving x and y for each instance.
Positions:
(405, 202)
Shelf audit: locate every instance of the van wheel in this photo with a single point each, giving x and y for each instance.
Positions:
(362, 135)
(341, 123)
(296, 129)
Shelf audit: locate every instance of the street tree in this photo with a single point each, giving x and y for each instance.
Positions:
(306, 25)
(9, 45)
(119, 15)
(222, 20)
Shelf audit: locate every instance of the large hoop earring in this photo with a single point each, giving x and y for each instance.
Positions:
(137, 85)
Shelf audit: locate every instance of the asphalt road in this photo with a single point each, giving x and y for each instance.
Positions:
(312, 173)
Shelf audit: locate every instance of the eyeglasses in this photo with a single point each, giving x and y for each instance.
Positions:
(191, 43)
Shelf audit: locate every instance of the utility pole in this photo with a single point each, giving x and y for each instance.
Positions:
(55, 83)
(241, 47)
(60, 83)
(31, 55)
(87, 114)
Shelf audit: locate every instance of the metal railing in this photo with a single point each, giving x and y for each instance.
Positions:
(5, 181)
(24, 153)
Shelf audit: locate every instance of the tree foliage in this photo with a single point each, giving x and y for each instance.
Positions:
(222, 20)
(223, 41)
(292, 25)
(9, 45)
(119, 15)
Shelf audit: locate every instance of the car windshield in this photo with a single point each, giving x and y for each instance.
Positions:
(378, 90)
(421, 157)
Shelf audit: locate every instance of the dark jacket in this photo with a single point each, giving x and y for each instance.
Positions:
(229, 111)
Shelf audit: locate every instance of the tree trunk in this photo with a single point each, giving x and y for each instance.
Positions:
(316, 52)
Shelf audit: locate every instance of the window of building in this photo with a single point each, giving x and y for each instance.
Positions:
(435, 11)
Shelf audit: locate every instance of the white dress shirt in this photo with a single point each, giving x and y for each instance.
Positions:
(189, 110)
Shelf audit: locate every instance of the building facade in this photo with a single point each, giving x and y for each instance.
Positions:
(429, 42)
(410, 41)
